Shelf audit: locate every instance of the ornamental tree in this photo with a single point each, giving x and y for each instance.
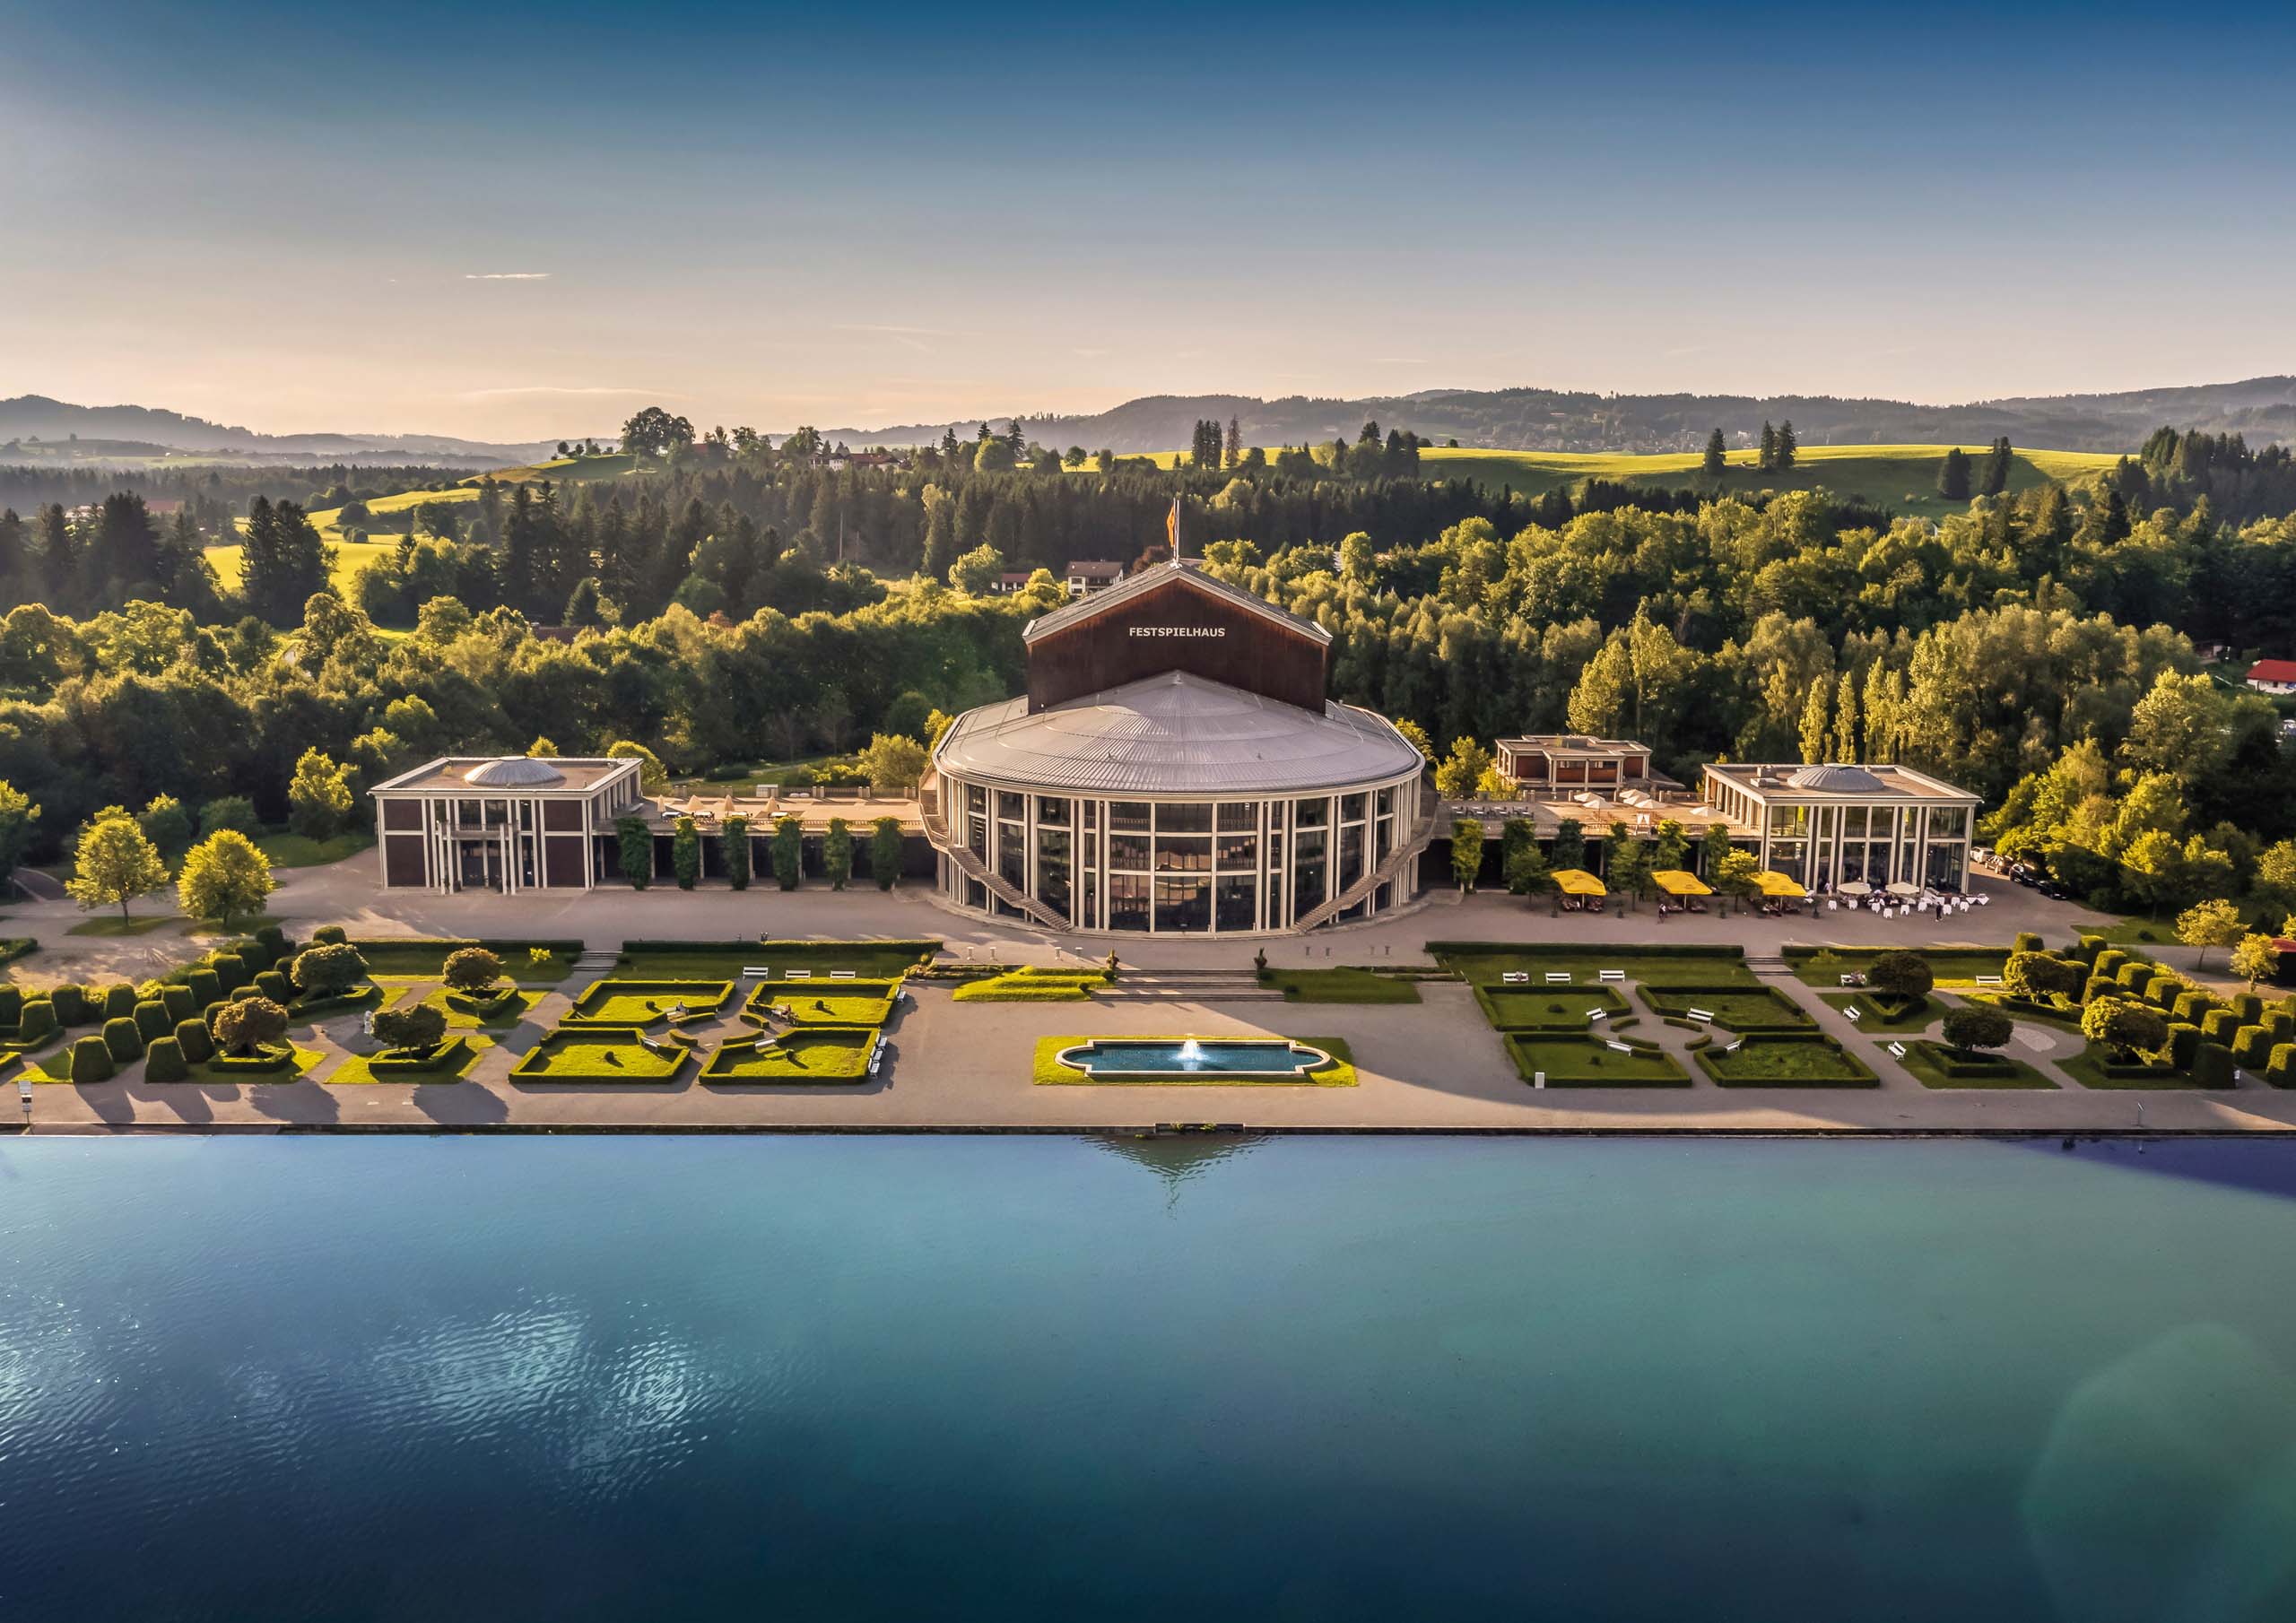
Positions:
(1905, 974)
(224, 877)
(116, 863)
(166, 824)
(2210, 923)
(885, 848)
(1461, 769)
(249, 1023)
(894, 761)
(2123, 1026)
(789, 852)
(328, 970)
(19, 821)
(1975, 1025)
(653, 777)
(2036, 976)
(417, 1026)
(733, 842)
(635, 847)
(318, 796)
(685, 851)
(1466, 853)
(473, 971)
(2254, 959)
(837, 852)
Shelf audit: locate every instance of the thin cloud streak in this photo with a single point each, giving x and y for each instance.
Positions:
(506, 275)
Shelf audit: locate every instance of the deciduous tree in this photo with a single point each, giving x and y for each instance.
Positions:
(116, 864)
(224, 878)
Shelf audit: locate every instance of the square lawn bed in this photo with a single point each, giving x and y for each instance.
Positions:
(636, 1003)
(1547, 1008)
(1788, 1061)
(1585, 1061)
(1940, 1065)
(855, 1002)
(818, 1054)
(1761, 1009)
(1952, 966)
(1486, 965)
(600, 1055)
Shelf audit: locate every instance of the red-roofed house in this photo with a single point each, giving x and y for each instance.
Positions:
(2272, 676)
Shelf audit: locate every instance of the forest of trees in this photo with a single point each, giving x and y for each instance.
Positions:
(738, 603)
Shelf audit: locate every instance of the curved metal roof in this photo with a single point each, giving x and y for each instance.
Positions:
(1835, 779)
(1176, 734)
(514, 772)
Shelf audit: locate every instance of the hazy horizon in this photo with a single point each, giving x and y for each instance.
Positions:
(524, 226)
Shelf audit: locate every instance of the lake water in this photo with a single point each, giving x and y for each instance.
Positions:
(912, 1378)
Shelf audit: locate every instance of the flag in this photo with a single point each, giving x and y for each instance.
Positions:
(1172, 528)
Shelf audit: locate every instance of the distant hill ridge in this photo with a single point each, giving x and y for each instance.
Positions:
(35, 416)
(2264, 409)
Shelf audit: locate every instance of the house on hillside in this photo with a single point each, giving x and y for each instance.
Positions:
(2272, 676)
(1092, 574)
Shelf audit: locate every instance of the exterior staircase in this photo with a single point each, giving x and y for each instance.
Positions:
(937, 830)
(1399, 863)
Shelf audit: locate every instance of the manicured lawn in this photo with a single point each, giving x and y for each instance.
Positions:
(1950, 965)
(1788, 1061)
(882, 962)
(855, 1002)
(1547, 1008)
(1584, 1062)
(1048, 1071)
(111, 923)
(357, 1070)
(824, 1055)
(1870, 1017)
(1763, 1009)
(2088, 1068)
(602, 1056)
(619, 1002)
(2064, 1019)
(1340, 986)
(1487, 968)
(237, 926)
(422, 958)
(289, 850)
(1025, 986)
(1923, 1059)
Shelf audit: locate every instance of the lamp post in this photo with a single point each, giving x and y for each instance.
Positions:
(24, 1093)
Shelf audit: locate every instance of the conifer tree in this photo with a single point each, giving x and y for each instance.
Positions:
(1953, 476)
(1716, 455)
(1995, 479)
(1766, 459)
(1787, 445)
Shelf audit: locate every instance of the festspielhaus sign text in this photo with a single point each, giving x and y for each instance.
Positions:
(1178, 630)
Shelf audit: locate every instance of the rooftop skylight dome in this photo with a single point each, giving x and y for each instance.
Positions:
(515, 772)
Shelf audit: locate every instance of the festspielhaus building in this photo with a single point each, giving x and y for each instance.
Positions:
(1175, 769)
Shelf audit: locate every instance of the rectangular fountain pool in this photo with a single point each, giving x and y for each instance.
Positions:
(1252, 1058)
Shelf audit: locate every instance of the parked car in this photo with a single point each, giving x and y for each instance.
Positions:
(2026, 874)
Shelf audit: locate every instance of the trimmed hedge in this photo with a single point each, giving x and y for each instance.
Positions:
(37, 1024)
(14, 947)
(2184, 1042)
(163, 1062)
(152, 1019)
(2027, 942)
(179, 1003)
(92, 1060)
(230, 972)
(448, 1055)
(1962, 1066)
(329, 936)
(262, 1061)
(12, 1003)
(119, 1003)
(2108, 962)
(192, 1041)
(2088, 947)
(2249, 1006)
(2193, 1006)
(204, 988)
(2212, 1067)
(71, 1005)
(2280, 1070)
(275, 986)
(122, 1039)
(2097, 987)
(2252, 1046)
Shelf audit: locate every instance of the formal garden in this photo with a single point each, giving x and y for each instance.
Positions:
(1566, 1061)
(1783, 1060)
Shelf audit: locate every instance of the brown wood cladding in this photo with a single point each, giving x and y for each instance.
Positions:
(561, 814)
(564, 861)
(402, 814)
(402, 859)
(1251, 652)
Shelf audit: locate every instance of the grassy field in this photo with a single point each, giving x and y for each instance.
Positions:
(1901, 477)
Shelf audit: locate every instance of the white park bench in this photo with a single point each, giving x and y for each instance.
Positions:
(796, 974)
(1703, 1016)
(1558, 978)
(763, 972)
(1988, 980)
(1622, 1048)
(1898, 1049)
(1851, 1011)
(1853, 979)
(1595, 1016)
(843, 974)
(1611, 975)
(1515, 977)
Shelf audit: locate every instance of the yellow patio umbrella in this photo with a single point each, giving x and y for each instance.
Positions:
(1773, 884)
(1677, 881)
(1578, 881)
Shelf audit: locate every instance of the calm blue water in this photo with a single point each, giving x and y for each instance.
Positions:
(833, 1378)
(1117, 1057)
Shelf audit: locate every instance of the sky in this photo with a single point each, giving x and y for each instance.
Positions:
(515, 222)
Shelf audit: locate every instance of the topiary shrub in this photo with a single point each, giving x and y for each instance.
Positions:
(2088, 949)
(2131, 976)
(179, 1004)
(119, 1003)
(2184, 1042)
(1976, 1026)
(125, 1042)
(193, 1042)
(2252, 1046)
(2218, 1025)
(2107, 962)
(248, 1024)
(327, 971)
(2249, 1006)
(419, 1026)
(271, 983)
(1901, 974)
(2212, 1067)
(2027, 942)
(163, 1062)
(2097, 987)
(2280, 1069)
(274, 941)
(472, 970)
(2161, 988)
(2193, 1005)
(71, 1005)
(328, 935)
(92, 1060)
(230, 972)
(204, 988)
(37, 1023)
(152, 1019)
(2281, 1023)
(12, 1003)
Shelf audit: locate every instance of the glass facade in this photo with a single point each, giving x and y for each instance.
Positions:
(1189, 867)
